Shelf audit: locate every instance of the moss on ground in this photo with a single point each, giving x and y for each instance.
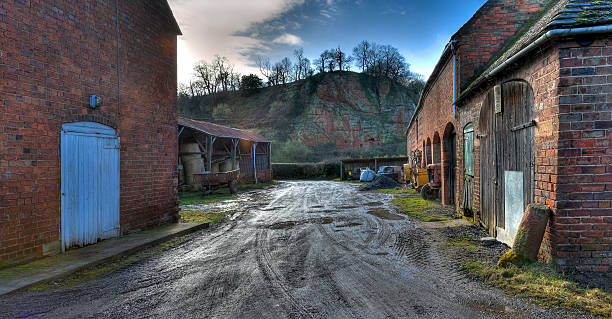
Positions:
(540, 283)
(464, 243)
(197, 198)
(196, 215)
(397, 191)
(107, 268)
(421, 209)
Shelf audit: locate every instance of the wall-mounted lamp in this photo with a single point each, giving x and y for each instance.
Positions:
(95, 101)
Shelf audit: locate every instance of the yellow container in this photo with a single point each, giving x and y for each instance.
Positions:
(421, 178)
(407, 172)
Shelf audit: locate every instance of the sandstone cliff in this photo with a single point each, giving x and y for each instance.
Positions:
(335, 113)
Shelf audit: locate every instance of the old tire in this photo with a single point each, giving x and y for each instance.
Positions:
(233, 187)
(427, 192)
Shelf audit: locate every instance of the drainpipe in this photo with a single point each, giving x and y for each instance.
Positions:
(454, 51)
(118, 60)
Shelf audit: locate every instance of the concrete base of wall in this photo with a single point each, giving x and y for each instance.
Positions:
(52, 248)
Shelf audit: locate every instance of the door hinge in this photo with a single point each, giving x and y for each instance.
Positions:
(524, 125)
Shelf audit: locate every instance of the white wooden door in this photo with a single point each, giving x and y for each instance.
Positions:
(90, 183)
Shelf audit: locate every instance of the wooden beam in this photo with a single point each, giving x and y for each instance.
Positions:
(254, 162)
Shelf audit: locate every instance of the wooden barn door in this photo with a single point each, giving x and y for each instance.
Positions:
(90, 183)
(506, 156)
(519, 158)
(489, 164)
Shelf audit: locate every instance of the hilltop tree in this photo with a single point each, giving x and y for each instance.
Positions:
(250, 82)
(362, 54)
(342, 60)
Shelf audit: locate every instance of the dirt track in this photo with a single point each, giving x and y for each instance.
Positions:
(299, 250)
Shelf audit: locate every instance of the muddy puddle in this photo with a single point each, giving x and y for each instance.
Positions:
(373, 204)
(384, 214)
(271, 208)
(348, 225)
(327, 220)
(382, 253)
(291, 223)
(283, 225)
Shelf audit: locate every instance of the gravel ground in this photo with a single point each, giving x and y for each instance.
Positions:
(298, 250)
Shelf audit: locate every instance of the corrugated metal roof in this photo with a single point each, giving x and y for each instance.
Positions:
(221, 131)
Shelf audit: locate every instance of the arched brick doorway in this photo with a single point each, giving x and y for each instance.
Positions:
(449, 165)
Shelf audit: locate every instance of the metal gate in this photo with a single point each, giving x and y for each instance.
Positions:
(89, 183)
(506, 148)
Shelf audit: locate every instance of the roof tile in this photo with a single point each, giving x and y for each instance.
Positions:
(221, 131)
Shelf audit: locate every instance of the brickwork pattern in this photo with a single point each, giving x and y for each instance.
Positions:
(481, 38)
(53, 55)
(583, 223)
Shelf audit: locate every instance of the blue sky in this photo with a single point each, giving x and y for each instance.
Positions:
(245, 29)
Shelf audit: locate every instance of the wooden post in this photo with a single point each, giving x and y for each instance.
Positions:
(211, 141)
(234, 144)
(254, 163)
(270, 155)
(341, 172)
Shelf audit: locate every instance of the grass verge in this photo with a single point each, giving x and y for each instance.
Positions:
(397, 191)
(107, 268)
(202, 216)
(196, 198)
(423, 210)
(540, 283)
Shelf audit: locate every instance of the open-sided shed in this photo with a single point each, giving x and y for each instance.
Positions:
(209, 147)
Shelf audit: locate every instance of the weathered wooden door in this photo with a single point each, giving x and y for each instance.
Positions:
(506, 148)
(518, 160)
(89, 183)
(489, 161)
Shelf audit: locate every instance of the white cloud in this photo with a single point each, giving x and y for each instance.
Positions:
(210, 28)
(288, 38)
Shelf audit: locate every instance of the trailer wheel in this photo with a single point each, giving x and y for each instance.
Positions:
(428, 193)
(233, 187)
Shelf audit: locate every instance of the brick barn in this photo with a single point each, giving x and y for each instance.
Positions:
(73, 170)
(518, 110)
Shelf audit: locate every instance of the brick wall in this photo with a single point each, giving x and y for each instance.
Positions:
(583, 220)
(53, 55)
(488, 31)
(478, 41)
(573, 174)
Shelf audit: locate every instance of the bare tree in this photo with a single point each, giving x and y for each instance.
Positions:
(362, 53)
(342, 60)
(206, 78)
(299, 67)
(266, 69)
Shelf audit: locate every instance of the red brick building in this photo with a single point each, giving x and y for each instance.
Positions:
(519, 110)
(66, 166)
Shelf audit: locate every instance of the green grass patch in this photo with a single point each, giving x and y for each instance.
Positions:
(540, 283)
(397, 191)
(463, 243)
(107, 268)
(419, 208)
(198, 198)
(201, 216)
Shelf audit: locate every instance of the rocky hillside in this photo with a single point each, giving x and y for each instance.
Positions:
(325, 116)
